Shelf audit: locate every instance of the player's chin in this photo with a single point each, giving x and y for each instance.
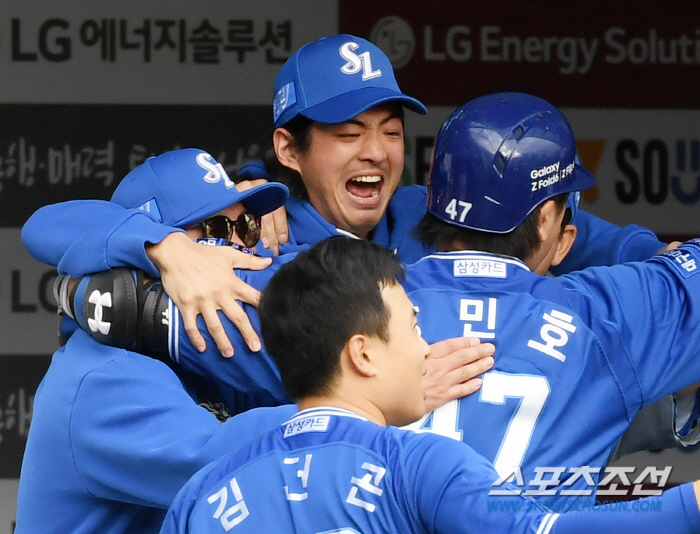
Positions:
(364, 220)
(411, 414)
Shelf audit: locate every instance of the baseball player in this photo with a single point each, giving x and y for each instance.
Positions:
(338, 465)
(115, 434)
(581, 415)
(342, 168)
(334, 80)
(578, 355)
(373, 164)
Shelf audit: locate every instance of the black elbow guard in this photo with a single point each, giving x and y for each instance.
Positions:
(119, 308)
(154, 322)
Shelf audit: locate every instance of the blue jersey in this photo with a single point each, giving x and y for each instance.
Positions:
(576, 356)
(90, 236)
(330, 470)
(248, 373)
(114, 436)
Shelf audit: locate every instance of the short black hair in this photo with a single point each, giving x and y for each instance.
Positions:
(300, 129)
(315, 303)
(521, 243)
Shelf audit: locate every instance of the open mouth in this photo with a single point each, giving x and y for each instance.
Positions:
(365, 187)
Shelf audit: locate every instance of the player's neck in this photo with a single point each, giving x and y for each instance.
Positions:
(357, 405)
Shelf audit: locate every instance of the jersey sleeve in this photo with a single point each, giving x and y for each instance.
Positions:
(155, 327)
(602, 243)
(248, 372)
(645, 315)
(451, 488)
(177, 520)
(675, 512)
(146, 437)
(87, 236)
(448, 484)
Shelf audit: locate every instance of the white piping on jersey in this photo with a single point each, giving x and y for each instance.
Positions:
(174, 332)
(325, 410)
(467, 255)
(547, 523)
(345, 232)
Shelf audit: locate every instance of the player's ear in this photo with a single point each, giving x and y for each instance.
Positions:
(283, 143)
(566, 241)
(358, 353)
(548, 212)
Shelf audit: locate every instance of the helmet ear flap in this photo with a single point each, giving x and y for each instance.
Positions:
(498, 157)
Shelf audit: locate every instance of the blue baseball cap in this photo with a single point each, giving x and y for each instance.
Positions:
(334, 79)
(184, 186)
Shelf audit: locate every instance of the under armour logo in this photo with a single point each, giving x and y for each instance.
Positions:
(100, 301)
(166, 317)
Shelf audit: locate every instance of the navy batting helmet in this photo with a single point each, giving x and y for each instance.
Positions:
(497, 158)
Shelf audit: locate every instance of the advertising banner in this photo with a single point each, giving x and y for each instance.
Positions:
(153, 51)
(592, 54)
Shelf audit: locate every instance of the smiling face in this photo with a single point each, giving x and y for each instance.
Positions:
(352, 169)
(401, 361)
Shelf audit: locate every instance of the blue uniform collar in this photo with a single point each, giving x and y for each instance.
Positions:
(325, 410)
(306, 225)
(476, 255)
(394, 230)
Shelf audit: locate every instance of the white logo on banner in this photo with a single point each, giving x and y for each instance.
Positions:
(395, 37)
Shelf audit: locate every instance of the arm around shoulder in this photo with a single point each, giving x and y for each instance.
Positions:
(86, 236)
(602, 243)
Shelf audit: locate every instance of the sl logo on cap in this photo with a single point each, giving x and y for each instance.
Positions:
(215, 170)
(356, 63)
